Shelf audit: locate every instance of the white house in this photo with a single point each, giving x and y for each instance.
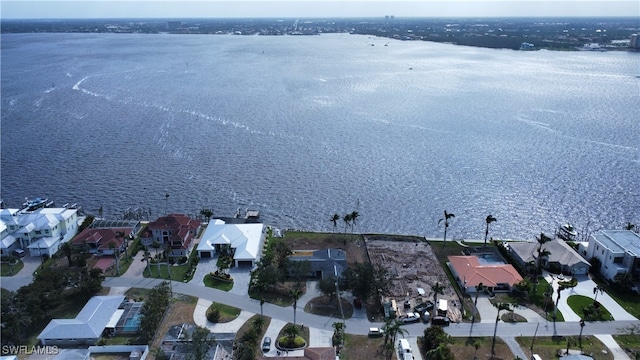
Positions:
(39, 232)
(246, 240)
(617, 250)
(87, 328)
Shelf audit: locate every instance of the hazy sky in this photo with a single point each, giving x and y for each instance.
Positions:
(48, 9)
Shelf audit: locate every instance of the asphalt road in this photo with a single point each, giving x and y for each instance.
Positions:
(361, 326)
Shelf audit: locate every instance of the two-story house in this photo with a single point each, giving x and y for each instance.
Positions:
(618, 252)
(174, 233)
(39, 232)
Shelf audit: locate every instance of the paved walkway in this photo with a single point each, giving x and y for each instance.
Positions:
(488, 312)
(585, 287)
(616, 350)
(22, 278)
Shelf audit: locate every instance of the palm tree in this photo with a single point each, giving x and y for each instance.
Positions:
(295, 294)
(500, 307)
(446, 218)
(68, 251)
(489, 220)
(555, 310)
(207, 213)
(334, 219)
(441, 352)
(476, 343)
(347, 222)
(387, 328)
(257, 324)
(629, 226)
(479, 287)
(116, 255)
(398, 329)
(147, 256)
(437, 289)
(156, 245)
(580, 336)
(291, 331)
(541, 240)
(338, 329)
(354, 217)
(261, 304)
(596, 290)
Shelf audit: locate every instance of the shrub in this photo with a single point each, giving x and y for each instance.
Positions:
(213, 313)
(291, 343)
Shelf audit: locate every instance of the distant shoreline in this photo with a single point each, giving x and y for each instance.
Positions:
(566, 34)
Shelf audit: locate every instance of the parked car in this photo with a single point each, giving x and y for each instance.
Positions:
(375, 332)
(411, 317)
(425, 306)
(18, 253)
(266, 344)
(440, 320)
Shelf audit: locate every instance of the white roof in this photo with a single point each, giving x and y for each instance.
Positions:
(619, 241)
(90, 322)
(442, 304)
(43, 243)
(246, 239)
(8, 241)
(114, 319)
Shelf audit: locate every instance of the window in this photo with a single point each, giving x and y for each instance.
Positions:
(38, 232)
(618, 260)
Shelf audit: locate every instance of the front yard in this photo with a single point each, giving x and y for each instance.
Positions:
(548, 347)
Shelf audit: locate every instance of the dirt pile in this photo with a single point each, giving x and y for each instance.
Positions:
(413, 265)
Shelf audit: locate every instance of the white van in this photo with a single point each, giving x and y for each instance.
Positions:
(404, 347)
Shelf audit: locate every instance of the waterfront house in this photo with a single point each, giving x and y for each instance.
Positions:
(562, 258)
(471, 271)
(174, 233)
(322, 263)
(617, 250)
(245, 240)
(39, 232)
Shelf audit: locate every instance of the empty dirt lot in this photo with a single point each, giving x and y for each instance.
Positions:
(414, 265)
(408, 258)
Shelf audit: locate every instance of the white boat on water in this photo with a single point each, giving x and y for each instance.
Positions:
(36, 203)
(567, 232)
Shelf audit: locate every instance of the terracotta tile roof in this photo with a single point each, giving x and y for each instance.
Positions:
(101, 237)
(470, 270)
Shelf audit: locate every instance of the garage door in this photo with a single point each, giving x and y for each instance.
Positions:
(205, 254)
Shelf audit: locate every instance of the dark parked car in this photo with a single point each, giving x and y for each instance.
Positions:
(425, 306)
(440, 320)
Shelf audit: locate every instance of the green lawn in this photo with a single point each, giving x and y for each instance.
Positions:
(178, 272)
(631, 342)
(628, 301)
(578, 302)
(212, 282)
(547, 347)
(10, 270)
(227, 313)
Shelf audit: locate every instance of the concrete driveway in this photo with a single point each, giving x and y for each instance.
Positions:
(24, 277)
(488, 312)
(585, 288)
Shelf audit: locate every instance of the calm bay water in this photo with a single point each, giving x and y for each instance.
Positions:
(302, 127)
